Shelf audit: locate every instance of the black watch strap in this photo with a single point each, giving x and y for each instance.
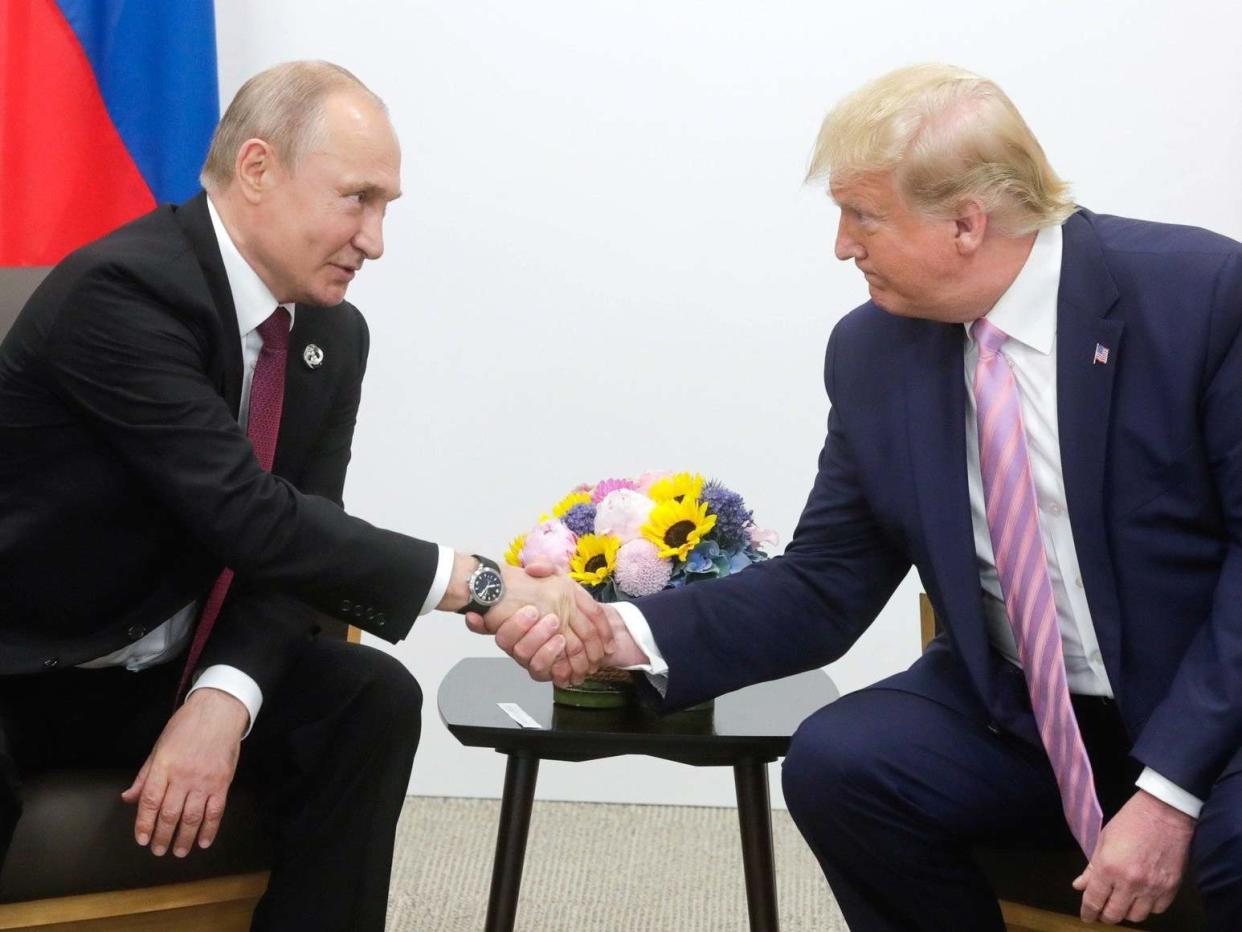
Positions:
(478, 607)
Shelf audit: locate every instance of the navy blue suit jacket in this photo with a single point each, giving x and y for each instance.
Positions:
(1151, 448)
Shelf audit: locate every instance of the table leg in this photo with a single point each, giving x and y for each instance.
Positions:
(754, 811)
(520, 777)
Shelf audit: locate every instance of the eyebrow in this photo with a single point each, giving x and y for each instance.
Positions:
(859, 203)
(374, 189)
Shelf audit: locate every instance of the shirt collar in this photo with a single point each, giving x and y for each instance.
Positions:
(252, 300)
(1027, 311)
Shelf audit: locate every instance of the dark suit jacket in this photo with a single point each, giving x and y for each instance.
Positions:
(1151, 447)
(126, 483)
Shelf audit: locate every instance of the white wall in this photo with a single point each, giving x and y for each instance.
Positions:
(605, 261)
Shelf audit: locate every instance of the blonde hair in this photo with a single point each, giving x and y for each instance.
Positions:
(949, 137)
(283, 106)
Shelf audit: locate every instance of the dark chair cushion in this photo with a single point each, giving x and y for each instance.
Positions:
(77, 836)
(1042, 878)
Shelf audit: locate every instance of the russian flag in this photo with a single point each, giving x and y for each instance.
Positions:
(106, 109)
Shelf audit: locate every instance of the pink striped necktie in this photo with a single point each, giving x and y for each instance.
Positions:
(267, 396)
(1021, 563)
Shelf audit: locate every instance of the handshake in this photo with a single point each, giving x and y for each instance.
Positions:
(553, 628)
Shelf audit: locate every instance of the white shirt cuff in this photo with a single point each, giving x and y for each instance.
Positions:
(1169, 792)
(440, 584)
(636, 624)
(234, 682)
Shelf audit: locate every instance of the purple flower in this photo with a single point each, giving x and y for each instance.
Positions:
(733, 518)
(580, 519)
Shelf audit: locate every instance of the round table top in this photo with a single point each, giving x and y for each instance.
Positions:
(755, 722)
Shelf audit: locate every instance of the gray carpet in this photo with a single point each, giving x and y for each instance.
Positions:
(597, 868)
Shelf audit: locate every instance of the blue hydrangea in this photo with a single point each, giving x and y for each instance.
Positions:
(580, 519)
(701, 558)
(733, 518)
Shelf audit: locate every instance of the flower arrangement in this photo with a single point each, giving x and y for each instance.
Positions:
(626, 538)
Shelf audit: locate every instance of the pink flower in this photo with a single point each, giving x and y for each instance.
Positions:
(549, 542)
(759, 537)
(640, 571)
(650, 478)
(610, 485)
(622, 514)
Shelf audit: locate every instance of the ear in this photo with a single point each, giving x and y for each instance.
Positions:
(970, 227)
(255, 169)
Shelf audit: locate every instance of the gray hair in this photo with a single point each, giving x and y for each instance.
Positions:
(283, 106)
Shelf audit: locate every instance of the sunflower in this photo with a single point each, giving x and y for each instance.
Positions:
(677, 527)
(513, 556)
(681, 487)
(576, 497)
(595, 559)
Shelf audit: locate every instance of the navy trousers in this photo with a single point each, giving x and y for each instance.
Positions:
(892, 790)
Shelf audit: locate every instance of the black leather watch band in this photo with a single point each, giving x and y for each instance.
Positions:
(473, 605)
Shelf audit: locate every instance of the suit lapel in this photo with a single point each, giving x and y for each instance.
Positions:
(195, 220)
(307, 390)
(1084, 403)
(936, 419)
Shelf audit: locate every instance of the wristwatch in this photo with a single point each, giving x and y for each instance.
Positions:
(486, 586)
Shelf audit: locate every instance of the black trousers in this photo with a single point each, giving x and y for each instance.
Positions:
(330, 756)
(892, 790)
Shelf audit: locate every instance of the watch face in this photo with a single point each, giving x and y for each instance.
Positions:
(488, 586)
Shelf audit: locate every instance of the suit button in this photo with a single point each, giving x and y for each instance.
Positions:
(370, 613)
(380, 620)
(135, 632)
(357, 611)
(51, 662)
(994, 728)
(346, 605)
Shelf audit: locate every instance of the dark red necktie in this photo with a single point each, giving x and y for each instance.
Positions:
(267, 396)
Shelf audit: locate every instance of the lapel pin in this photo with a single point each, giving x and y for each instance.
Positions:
(1101, 354)
(313, 356)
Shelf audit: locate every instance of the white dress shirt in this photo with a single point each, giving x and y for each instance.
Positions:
(254, 303)
(1027, 313)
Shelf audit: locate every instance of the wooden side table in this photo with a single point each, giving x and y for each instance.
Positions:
(746, 730)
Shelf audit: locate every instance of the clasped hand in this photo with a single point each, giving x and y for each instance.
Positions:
(549, 624)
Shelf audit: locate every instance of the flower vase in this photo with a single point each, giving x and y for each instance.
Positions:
(606, 689)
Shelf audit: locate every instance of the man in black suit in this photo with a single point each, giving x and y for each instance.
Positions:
(129, 480)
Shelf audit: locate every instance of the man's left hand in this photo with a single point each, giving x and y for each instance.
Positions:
(182, 788)
(1138, 863)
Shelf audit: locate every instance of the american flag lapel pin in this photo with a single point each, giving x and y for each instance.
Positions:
(1101, 355)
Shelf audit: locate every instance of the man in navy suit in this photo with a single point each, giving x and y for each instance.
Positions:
(1121, 343)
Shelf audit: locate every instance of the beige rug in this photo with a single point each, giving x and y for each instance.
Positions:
(597, 868)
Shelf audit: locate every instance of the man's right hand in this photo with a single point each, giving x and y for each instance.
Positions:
(579, 619)
(589, 637)
(536, 641)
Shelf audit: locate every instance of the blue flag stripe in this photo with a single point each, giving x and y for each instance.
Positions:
(155, 62)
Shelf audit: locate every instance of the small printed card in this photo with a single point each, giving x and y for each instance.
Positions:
(518, 714)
